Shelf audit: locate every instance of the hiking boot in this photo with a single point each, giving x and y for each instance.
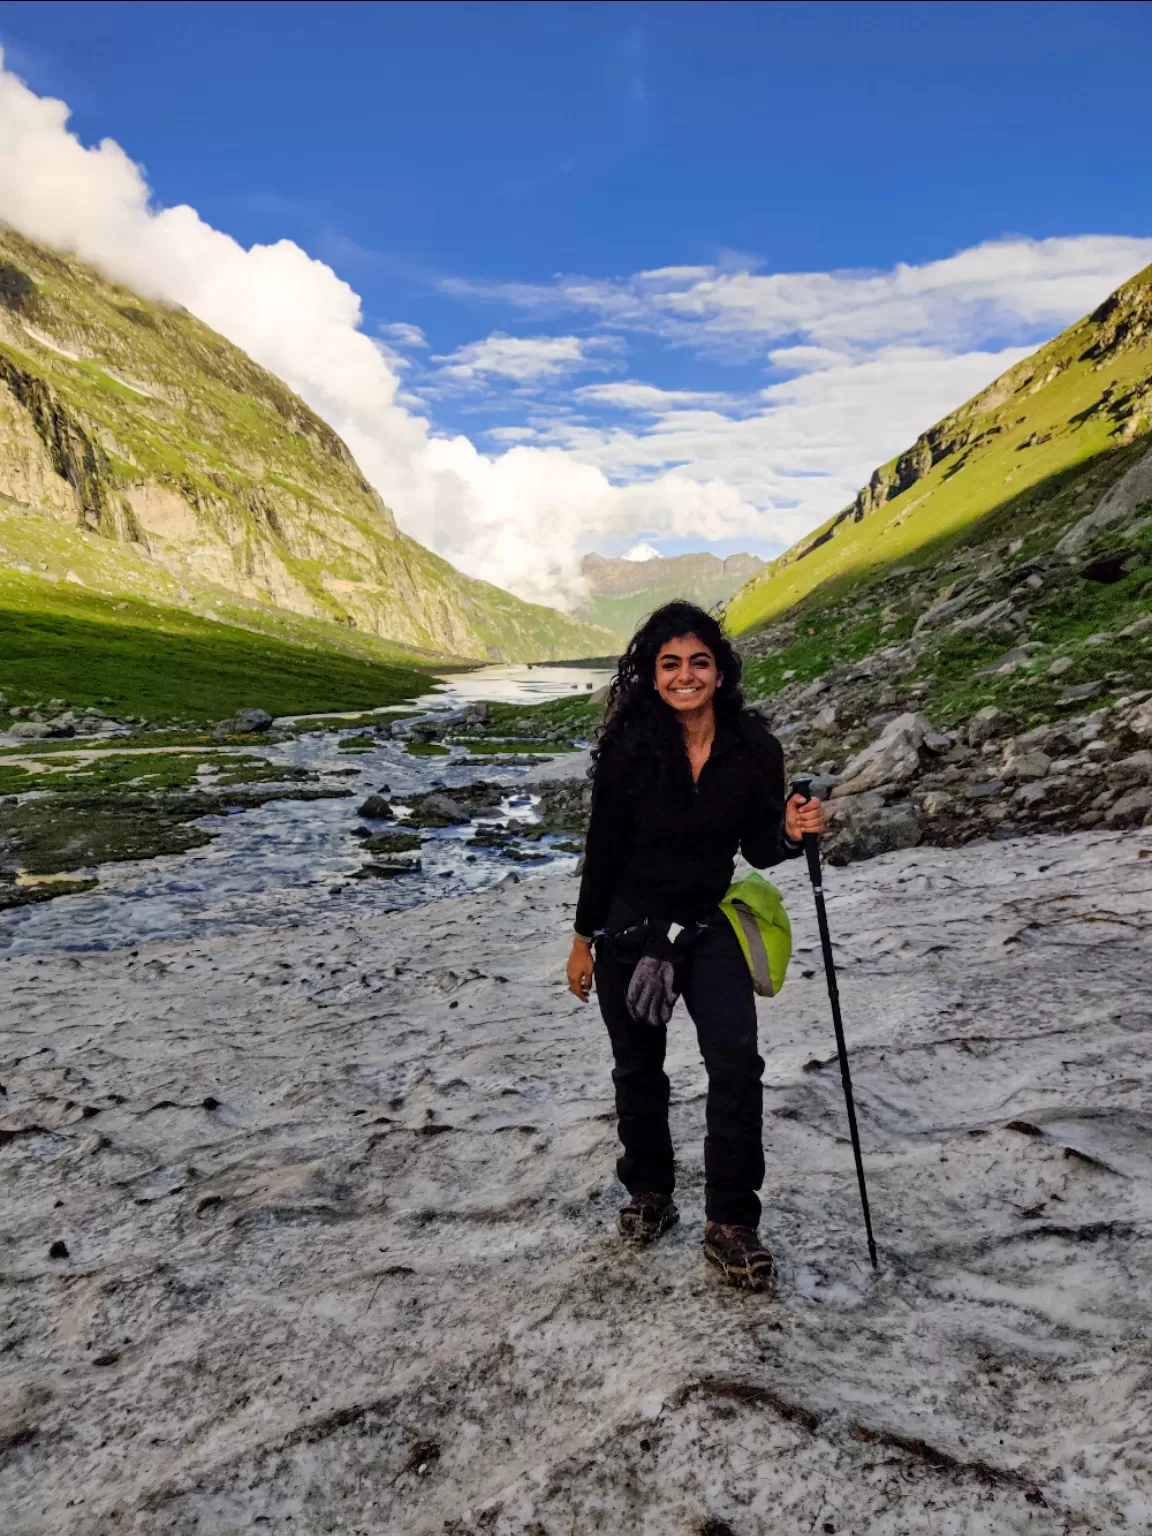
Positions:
(647, 1217)
(740, 1255)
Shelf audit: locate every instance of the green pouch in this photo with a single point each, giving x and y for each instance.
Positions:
(755, 909)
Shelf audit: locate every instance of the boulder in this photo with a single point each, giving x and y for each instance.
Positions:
(824, 719)
(376, 808)
(820, 785)
(1011, 661)
(893, 758)
(985, 790)
(934, 802)
(1061, 665)
(999, 615)
(30, 730)
(1131, 810)
(1033, 764)
(932, 618)
(252, 722)
(1029, 795)
(1130, 491)
(1079, 693)
(437, 810)
(985, 724)
(866, 835)
(1135, 770)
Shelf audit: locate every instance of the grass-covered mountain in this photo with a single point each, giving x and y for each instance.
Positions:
(968, 646)
(134, 422)
(1003, 465)
(622, 592)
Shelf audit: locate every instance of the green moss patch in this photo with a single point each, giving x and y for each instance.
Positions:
(392, 842)
(426, 749)
(12, 896)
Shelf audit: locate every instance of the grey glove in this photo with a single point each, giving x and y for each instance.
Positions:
(652, 991)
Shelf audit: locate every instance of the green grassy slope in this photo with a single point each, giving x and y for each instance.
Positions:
(995, 467)
(135, 421)
(93, 620)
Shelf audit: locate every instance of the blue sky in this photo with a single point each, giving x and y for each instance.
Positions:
(681, 272)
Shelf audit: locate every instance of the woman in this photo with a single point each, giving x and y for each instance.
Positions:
(682, 777)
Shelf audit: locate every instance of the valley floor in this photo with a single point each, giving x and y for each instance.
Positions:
(338, 1207)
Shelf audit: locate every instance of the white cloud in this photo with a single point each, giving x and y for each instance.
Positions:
(511, 434)
(524, 359)
(632, 395)
(641, 553)
(861, 363)
(403, 334)
(1009, 288)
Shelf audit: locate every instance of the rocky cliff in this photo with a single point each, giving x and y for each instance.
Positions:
(133, 420)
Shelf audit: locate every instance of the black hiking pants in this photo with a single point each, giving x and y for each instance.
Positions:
(717, 989)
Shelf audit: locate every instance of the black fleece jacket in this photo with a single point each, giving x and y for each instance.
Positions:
(667, 849)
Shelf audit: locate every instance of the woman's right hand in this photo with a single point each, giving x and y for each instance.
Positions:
(580, 969)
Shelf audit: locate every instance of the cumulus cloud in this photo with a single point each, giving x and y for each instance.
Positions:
(855, 364)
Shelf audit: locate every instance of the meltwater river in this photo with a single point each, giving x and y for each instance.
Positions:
(268, 864)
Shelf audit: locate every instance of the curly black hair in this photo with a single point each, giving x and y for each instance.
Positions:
(637, 721)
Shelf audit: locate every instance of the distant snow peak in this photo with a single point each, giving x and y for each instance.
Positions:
(641, 552)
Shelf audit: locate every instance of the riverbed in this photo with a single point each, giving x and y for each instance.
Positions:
(310, 1229)
(268, 865)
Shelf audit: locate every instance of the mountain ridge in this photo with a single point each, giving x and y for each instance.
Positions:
(623, 591)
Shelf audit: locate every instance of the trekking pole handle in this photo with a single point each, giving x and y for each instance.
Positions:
(811, 840)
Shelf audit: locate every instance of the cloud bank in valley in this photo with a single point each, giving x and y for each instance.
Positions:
(854, 366)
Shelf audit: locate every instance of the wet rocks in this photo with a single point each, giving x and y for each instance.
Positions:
(387, 869)
(392, 842)
(437, 810)
(376, 808)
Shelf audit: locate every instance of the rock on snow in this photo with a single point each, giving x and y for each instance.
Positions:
(312, 1229)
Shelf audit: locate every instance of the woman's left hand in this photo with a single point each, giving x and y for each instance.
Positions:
(802, 816)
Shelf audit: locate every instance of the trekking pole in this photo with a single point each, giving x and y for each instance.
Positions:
(812, 853)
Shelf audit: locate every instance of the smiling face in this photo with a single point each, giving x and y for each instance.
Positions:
(686, 675)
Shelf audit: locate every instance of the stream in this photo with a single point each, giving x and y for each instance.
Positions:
(267, 864)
